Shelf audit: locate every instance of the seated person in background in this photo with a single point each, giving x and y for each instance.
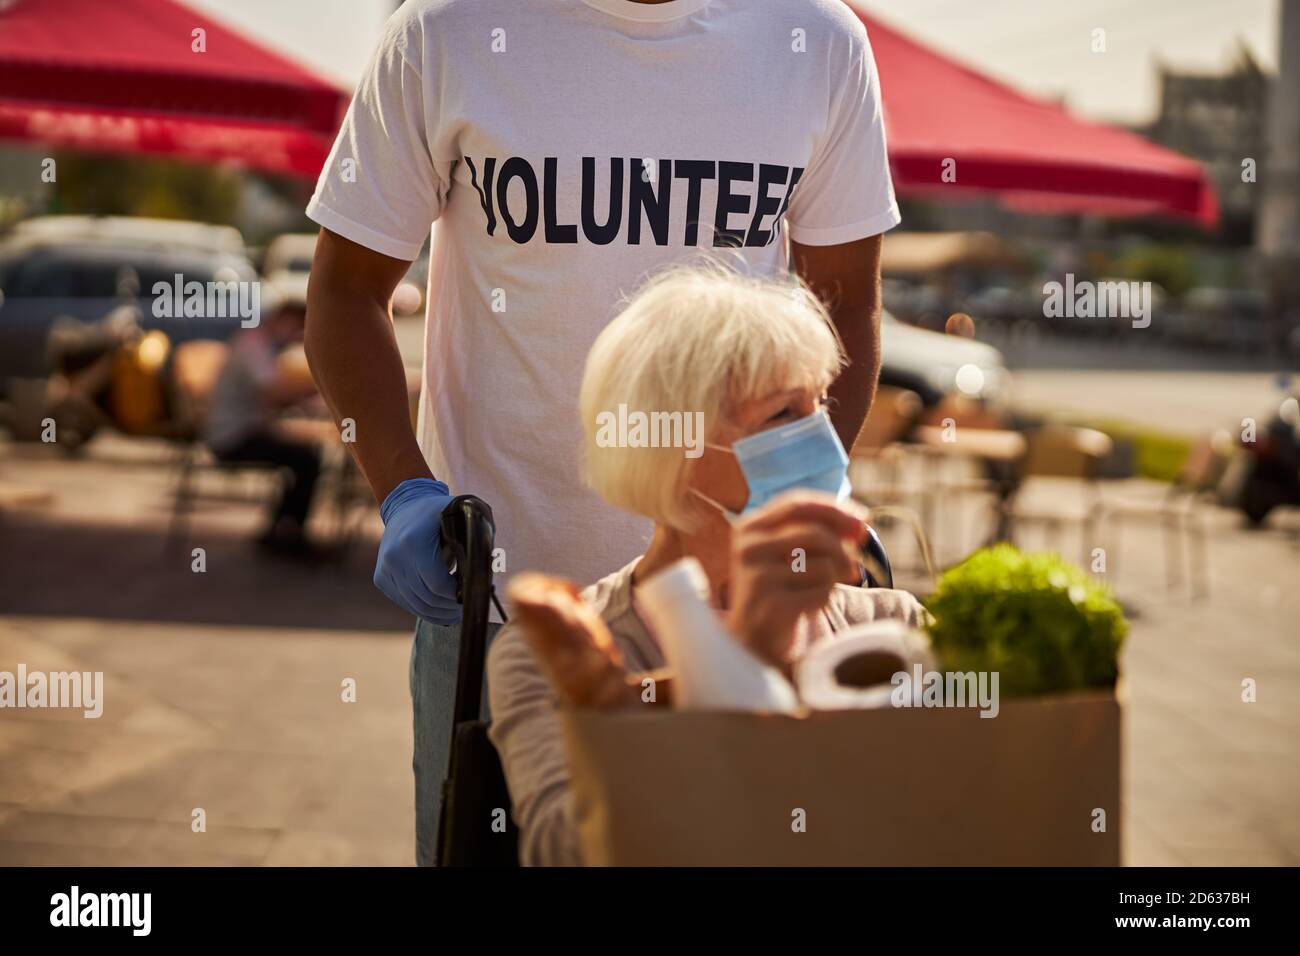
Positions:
(240, 424)
(738, 356)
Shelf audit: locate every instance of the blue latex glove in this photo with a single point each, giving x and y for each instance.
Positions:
(410, 570)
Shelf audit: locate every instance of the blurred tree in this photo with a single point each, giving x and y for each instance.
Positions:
(1169, 267)
(110, 185)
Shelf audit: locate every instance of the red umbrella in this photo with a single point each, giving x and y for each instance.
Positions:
(1033, 154)
(125, 76)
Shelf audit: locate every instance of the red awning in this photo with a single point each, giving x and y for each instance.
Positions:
(122, 76)
(1034, 154)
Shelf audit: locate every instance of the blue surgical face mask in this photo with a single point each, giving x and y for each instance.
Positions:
(803, 454)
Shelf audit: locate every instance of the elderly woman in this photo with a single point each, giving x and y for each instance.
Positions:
(749, 361)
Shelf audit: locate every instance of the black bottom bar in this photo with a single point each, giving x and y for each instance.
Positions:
(912, 906)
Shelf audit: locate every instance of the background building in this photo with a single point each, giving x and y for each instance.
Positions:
(1220, 120)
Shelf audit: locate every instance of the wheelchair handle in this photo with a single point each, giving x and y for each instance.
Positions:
(468, 534)
(875, 562)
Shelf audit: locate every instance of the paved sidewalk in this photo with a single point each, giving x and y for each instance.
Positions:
(245, 723)
(1172, 401)
(223, 690)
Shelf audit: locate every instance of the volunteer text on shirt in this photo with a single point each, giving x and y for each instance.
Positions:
(644, 188)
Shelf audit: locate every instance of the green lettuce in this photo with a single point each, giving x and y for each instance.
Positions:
(1043, 624)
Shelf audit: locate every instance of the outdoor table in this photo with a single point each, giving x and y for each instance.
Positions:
(1000, 450)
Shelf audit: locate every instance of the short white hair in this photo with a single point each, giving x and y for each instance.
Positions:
(696, 339)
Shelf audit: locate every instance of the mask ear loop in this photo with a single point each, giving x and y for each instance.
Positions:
(910, 518)
(728, 515)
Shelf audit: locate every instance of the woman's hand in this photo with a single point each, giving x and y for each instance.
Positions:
(785, 559)
(572, 643)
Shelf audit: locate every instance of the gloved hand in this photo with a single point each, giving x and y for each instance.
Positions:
(410, 570)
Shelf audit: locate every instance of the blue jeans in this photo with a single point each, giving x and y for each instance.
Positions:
(434, 658)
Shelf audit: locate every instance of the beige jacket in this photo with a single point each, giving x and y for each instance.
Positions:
(526, 726)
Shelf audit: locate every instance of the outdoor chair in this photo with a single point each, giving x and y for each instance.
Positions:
(1066, 461)
(1180, 512)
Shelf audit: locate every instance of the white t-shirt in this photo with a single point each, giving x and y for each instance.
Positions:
(515, 124)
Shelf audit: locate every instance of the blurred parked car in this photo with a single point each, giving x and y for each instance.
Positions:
(1003, 305)
(1227, 319)
(915, 303)
(288, 264)
(290, 252)
(934, 365)
(82, 268)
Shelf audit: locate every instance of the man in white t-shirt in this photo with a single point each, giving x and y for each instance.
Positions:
(568, 149)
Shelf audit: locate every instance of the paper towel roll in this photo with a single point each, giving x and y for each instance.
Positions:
(854, 669)
(711, 670)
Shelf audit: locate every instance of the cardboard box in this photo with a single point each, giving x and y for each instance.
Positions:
(889, 787)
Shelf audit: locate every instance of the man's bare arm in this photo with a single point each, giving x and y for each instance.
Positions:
(353, 355)
(846, 278)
